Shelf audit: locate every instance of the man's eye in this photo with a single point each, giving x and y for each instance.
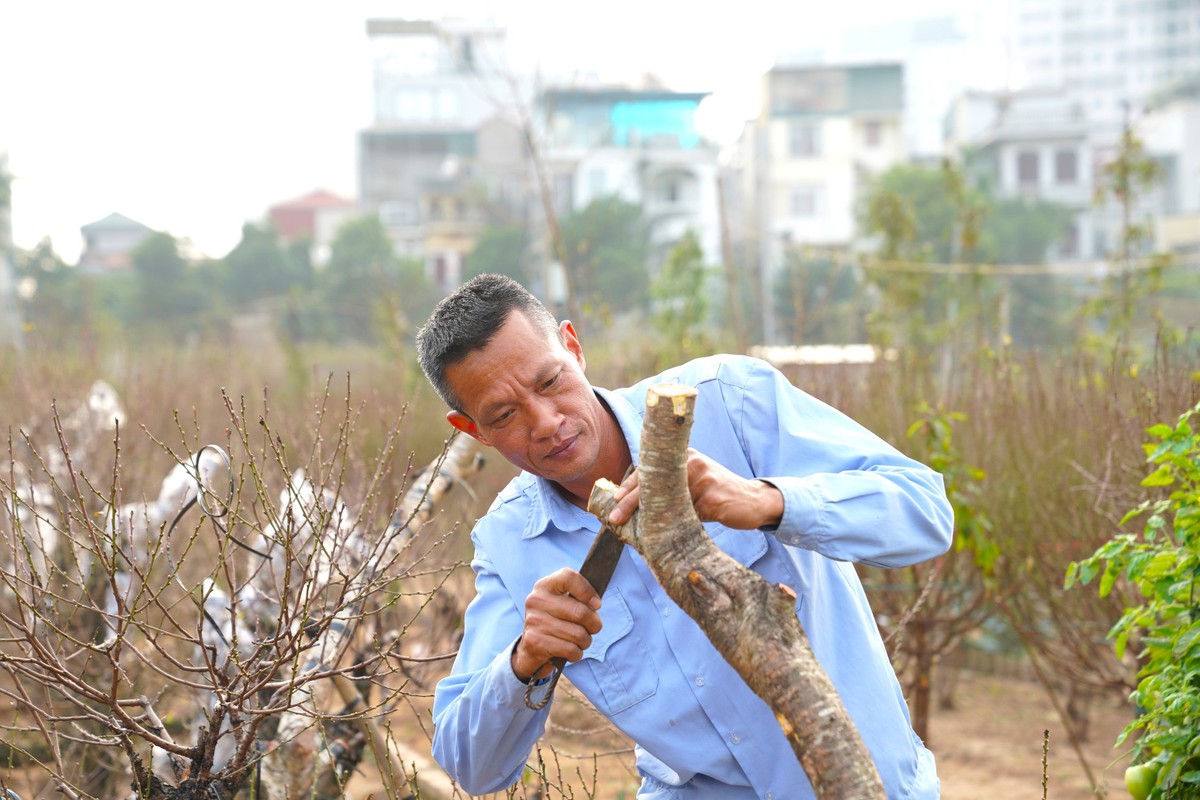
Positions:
(551, 382)
(502, 418)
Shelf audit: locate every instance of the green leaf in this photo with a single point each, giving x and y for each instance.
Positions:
(1163, 476)
(1121, 642)
(1107, 580)
(1185, 642)
(1163, 563)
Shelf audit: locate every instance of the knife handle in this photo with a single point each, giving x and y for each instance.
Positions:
(538, 694)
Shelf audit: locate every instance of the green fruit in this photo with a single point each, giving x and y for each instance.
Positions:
(1139, 780)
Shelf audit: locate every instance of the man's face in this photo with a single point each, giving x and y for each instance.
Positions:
(526, 395)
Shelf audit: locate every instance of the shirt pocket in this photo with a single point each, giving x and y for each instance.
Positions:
(619, 667)
(750, 548)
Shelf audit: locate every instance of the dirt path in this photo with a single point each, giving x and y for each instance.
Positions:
(990, 748)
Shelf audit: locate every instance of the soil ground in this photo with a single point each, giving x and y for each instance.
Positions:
(988, 748)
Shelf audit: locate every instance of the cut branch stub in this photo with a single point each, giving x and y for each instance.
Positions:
(751, 623)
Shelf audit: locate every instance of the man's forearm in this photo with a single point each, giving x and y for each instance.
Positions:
(886, 516)
(483, 730)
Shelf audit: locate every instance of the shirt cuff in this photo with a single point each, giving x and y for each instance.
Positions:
(506, 686)
(803, 512)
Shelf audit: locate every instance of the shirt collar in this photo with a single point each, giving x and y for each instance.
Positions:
(549, 507)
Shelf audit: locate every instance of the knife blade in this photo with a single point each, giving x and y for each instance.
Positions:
(597, 568)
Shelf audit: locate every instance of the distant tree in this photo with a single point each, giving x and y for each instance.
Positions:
(820, 299)
(365, 292)
(909, 304)
(1020, 231)
(501, 249)
(935, 215)
(928, 232)
(943, 205)
(258, 267)
(52, 304)
(681, 301)
(607, 244)
(1128, 297)
(169, 301)
(299, 253)
(5, 188)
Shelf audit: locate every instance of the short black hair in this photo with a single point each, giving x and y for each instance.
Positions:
(467, 320)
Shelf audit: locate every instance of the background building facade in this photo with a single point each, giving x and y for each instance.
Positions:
(1112, 54)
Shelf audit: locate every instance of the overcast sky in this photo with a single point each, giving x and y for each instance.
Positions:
(194, 118)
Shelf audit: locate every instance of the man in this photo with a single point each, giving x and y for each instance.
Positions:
(784, 483)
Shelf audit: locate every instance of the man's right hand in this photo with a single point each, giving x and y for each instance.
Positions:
(560, 619)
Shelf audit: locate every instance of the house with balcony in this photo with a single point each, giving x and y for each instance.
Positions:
(642, 146)
(1034, 144)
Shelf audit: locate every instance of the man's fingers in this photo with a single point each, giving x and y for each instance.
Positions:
(624, 508)
(567, 583)
(627, 497)
(560, 619)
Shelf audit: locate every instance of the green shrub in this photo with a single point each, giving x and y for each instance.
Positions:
(1163, 563)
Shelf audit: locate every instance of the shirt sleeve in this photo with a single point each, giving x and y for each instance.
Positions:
(847, 494)
(483, 730)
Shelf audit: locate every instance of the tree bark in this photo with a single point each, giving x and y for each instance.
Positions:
(751, 623)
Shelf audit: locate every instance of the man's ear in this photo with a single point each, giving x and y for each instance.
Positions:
(570, 340)
(466, 425)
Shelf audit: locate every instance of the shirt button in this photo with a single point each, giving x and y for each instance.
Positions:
(770, 796)
(699, 681)
(735, 738)
(666, 612)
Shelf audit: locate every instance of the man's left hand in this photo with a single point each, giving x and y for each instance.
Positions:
(718, 495)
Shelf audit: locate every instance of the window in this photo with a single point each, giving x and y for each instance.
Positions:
(806, 200)
(1065, 172)
(1027, 169)
(804, 140)
(873, 133)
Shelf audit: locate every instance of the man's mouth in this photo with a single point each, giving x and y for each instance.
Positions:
(562, 448)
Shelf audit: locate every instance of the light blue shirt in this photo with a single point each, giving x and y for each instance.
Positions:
(700, 731)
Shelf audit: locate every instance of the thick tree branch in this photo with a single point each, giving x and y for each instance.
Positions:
(751, 623)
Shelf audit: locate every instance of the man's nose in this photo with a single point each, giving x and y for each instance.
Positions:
(546, 418)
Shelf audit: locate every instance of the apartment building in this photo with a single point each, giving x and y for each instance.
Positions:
(1112, 54)
(822, 133)
(442, 145)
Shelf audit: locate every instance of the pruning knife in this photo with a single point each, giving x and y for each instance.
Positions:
(598, 567)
